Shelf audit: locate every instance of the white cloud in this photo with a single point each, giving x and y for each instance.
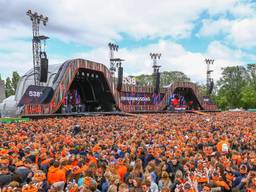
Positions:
(241, 10)
(224, 57)
(238, 32)
(237, 28)
(215, 27)
(219, 50)
(96, 22)
(243, 33)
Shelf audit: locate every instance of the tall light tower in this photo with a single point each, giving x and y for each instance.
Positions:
(112, 48)
(155, 57)
(209, 79)
(36, 43)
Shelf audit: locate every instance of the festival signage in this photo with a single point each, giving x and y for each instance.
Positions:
(129, 81)
(36, 95)
(128, 98)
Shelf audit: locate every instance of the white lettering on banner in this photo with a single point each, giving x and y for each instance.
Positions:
(135, 98)
(34, 93)
(129, 81)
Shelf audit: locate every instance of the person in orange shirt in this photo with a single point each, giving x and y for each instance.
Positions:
(56, 174)
(121, 169)
(223, 146)
(216, 180)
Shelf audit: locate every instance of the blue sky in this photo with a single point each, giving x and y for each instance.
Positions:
(185, 32)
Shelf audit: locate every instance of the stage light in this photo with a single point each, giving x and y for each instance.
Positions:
(29, 12)
(113, 62)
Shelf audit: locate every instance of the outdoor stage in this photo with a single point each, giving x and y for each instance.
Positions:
(90, 84)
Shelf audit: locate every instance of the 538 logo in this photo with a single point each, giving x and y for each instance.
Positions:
(34, 93)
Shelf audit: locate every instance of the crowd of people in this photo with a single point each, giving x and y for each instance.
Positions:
(137, 153)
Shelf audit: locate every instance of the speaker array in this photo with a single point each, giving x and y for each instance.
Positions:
(120, 78)
(43, 68)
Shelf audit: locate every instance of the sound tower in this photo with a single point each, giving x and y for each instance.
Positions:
(157, 86)
(43, 67)
(120, 78)
(211, 86)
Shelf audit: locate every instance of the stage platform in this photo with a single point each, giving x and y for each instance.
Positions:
(176, 111)
(57, 115)
(118, 113)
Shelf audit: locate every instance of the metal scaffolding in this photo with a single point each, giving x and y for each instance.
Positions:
(36, 42)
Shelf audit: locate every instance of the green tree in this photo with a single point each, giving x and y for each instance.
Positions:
(144, 79)
(231, 85)
(8, 87)
(166, 78)
(15, 80)
(248, 97)
(221, 99)
(251, 68)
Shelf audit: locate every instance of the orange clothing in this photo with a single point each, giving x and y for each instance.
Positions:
(222, 146)
(122, 170)
(56, 175)
(46, 161)
(75, 162)
(222, 184)
(68, 167)
(92, 159)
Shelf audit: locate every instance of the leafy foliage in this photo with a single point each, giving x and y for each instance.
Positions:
(166, 78)
(237, 88)
(11, 84)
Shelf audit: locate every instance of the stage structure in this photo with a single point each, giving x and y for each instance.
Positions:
(91, 85)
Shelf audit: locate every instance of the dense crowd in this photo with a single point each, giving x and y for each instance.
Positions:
(139, 153)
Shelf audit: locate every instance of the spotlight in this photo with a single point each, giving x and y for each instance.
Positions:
(29, 12)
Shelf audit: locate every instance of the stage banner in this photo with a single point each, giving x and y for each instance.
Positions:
(36, 95)
(131, 98)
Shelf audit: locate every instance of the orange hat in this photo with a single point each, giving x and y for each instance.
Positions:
(4, 161)
(76, 170)
(200, 165)
(39, 176)
(19, 163)
(29, 188)
(87, 181)
(74, 188)
(4, 152)
(202, 180)
(229, 176)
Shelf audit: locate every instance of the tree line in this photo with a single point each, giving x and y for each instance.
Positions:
(236, 88)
